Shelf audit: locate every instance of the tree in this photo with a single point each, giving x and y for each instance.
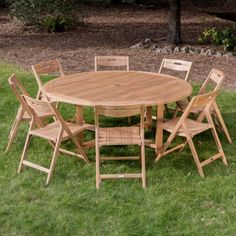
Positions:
(173, 36)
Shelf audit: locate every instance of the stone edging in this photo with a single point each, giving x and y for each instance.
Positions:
(194, 50)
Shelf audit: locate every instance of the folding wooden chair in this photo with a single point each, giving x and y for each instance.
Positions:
(188, 128)
(112, 62)
(55, 132)
(175, 66)
(46, 68)
(216, 78)
(106, 136)
(22, 114)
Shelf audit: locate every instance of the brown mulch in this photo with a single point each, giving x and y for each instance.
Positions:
(110, 31)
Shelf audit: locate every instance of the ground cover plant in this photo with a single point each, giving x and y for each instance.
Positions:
(176, 202)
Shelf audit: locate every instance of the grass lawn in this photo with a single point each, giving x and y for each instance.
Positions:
(177, 200)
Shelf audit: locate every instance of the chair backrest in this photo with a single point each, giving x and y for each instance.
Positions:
(216, 77)
(18, 89)
(176, 65)
(112, 62)
(119, 111)
(46, 68)
(202, 102)
(38, 107)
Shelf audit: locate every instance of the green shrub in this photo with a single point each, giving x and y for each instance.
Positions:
(54, 16)
(225, 37)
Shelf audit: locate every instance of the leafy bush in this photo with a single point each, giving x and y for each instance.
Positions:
(55, 16)
(225, 37)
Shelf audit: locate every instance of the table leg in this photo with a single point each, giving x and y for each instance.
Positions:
(159, 130)
(79, 121)
(148, 117)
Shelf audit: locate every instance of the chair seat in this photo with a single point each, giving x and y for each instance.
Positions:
(50, 131)
(119, 136)
(194, 127)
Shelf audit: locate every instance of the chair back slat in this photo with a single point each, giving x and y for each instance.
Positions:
(111, 61)
(216, 77)
(119, 111)
(178, 65)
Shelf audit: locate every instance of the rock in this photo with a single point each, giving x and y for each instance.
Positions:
(158, 50)
(197, 50)
(218, 54)
(147, 41)
(184, 49)
(192, 51)
(202, 52)
(176, 50)
(167, 50)
(153, 46)
(136, 46)
(208, 53)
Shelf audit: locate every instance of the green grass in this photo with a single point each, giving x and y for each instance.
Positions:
(177, 200)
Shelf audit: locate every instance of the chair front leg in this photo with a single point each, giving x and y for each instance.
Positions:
(55, 155)
(26, 146)
(194, 152)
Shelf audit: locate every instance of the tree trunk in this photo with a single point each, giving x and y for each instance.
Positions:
(173, 36)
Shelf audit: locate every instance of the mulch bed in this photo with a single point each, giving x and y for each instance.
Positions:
(111, 31)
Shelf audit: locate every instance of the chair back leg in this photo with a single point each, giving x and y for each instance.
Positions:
(14, 128)
(221, 121)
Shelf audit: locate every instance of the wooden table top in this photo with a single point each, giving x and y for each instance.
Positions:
(117, 88)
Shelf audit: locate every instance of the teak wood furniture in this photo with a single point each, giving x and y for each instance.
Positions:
(55, 132)
(175, 66)
(46, 68)
(116, 88)
(188, 128)
(106, 136)
(111, 62)
(22, 114)
(215, 78)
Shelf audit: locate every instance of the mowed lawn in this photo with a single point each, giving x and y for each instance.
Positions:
(177, 200)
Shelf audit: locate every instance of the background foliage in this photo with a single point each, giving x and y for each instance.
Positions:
(55, 16)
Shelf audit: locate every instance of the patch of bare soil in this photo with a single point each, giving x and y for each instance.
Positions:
(111, 31)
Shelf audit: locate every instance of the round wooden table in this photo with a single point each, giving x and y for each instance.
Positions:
(119, 88)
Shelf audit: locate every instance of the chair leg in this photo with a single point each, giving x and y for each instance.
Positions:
(194, 153)
(14, 130)
(143, 166)
(167, 109)
(222, 123)
(129, 120)
(97, 166)
(176, 112)
(218, 144)
(54, 157)
(28, 138)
